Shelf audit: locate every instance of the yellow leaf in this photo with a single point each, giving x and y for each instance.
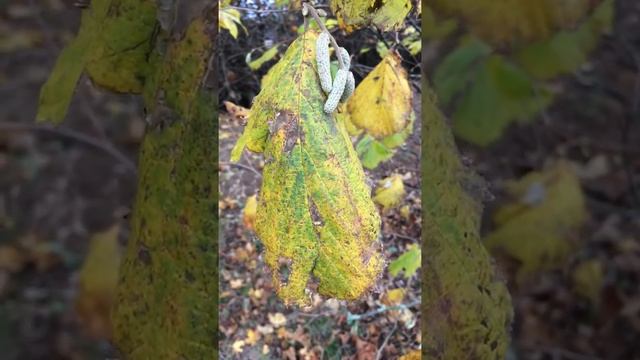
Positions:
(229, 17)
(411, 355)
(393, 297)
(98, 280)
(386, 15)
(252, 337)
(277, 319)
(405, 211)
(534, 229)
(237, 346)
(249, 212)
(390, 192)
(265, 57)
(381, 103)
(315, 206)
(509, 21)
(587, 280)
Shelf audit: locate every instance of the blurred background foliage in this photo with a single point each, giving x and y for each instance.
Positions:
(544, 99)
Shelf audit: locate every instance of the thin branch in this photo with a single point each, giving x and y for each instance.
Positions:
(241, 166)
(355, 317)
(260, 10)
(386, 340)
(73, 135)
(336, 48)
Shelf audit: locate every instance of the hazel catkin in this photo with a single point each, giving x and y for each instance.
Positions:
(323, 61)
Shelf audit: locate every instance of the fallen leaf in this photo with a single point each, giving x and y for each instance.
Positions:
(277, 319)
(408, 262)
(98, 280)
(249, 212)
(534, 228)
(237, 346)
(252, 337)
(381, 103)
(411, 355)
(393, 297)
(238, 112)
(588, 278)
(390, 192)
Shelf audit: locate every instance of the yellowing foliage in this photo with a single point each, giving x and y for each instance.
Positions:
(249, 212)
(385, 14)
(112, 46)
(315, 215)
(588, 279)
(534, 229)
(98, 280)
(467, 307)
(390, 192)
(505, 22)
(381, 104)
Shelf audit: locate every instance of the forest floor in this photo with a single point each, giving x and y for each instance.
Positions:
(57, 192)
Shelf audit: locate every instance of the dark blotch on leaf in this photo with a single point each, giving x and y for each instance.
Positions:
(144, 255)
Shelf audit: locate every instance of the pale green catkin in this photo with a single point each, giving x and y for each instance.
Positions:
(335, 94)
(323, 61)
(351, 81)
(349, 87)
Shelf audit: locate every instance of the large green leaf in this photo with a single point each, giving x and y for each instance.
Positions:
(112, 45)
(458, 69)
(567, 50)
(500, 94)
(468, 308)
(315, 215)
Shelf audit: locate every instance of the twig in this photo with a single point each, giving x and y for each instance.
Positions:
(316, 17)
(260, 10)
(415, 240)
(386, 340)
(241, 166)
(73, 135)
(355, 317)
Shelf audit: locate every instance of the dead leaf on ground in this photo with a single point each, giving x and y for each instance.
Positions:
(98, 280)
(536, 227)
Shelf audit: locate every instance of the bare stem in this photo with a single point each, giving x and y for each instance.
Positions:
(336, 48)
(73, 135)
